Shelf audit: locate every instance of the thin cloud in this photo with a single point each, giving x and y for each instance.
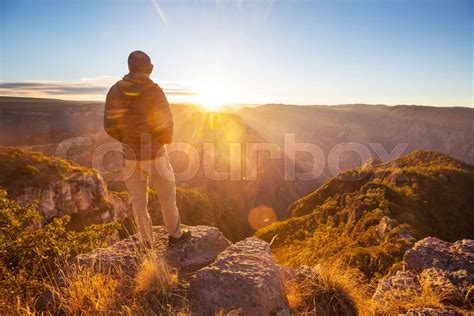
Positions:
(83, 89)
(52, 88)
(179, 92)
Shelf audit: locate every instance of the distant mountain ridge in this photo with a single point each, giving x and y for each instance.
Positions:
(449, 130)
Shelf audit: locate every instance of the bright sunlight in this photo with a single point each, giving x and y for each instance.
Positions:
(211, 97)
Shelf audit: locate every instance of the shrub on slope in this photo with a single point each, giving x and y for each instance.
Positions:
(30, 255)
(369, 216)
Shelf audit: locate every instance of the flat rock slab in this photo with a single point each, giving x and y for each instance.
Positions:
(243, 279)
(204, 245)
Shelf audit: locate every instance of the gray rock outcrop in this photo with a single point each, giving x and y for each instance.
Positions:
(434, 253)
(59, 187)
(243, 279)
(83, 196)
(443, 267)
(200, 250)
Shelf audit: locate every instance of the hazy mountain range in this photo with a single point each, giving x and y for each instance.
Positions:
(40, 124)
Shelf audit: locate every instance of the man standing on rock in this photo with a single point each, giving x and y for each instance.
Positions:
(138, 115)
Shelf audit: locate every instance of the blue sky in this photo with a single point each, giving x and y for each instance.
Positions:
(299, 52)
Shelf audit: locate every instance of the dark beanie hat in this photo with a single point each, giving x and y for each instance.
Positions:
(138, 61)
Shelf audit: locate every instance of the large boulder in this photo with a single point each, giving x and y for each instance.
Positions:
(432, 252)
(433, 264)
(125, 256)
(243, 279)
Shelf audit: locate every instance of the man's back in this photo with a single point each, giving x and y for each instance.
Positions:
(137, 114)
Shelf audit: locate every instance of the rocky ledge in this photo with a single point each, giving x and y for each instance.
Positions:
(241, 278)
(125, 256)
(437, 266)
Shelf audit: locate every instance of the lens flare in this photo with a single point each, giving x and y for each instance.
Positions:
(261, 216)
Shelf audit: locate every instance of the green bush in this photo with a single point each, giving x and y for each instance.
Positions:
(30, 255)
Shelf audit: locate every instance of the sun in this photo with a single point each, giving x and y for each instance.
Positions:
(211, 98)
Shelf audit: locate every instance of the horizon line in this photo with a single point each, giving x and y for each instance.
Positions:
(243, 105)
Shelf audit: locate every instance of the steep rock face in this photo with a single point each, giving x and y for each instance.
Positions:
(82, 196)
(200, 250)
(60, 187)
(243, 278)
(441, 266)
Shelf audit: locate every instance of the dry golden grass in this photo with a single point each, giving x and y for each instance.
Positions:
(429, 297)
(86, 291)
(334, 290)
(155, 276)
(157, 287)
(468, 300)
(400, 301)
(19, 308)
(154, 290)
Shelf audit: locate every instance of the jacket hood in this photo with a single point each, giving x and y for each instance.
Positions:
(133, 85)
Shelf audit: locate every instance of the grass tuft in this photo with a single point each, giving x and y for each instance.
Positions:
(86, 291)
(155, 276)
(154, 290)
(329, 290)
(401, 300)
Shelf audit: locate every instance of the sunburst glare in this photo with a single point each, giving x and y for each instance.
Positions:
(211, 97)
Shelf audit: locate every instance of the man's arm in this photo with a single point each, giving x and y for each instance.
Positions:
(113, 114)
(163, 118)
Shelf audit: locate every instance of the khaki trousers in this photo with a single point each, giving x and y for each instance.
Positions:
(157, 173)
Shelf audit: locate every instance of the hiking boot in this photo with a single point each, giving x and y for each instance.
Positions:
(184, 237)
